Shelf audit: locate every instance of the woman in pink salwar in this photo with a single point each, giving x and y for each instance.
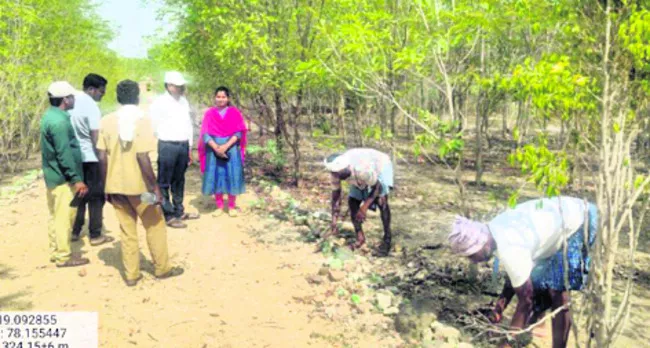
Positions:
(222, 151)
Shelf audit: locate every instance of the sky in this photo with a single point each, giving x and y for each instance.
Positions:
(133, 21)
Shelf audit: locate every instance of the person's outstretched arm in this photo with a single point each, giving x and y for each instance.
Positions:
(336, 203)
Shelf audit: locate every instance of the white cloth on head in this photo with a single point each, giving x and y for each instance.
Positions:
(338, 164)
(366, 166)
(468, 237)
(127, 117)
(85, 117)
(534, 231)
(171, 119)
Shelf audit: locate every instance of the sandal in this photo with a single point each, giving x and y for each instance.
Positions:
(74, 262)
(218, 213)
(101, 240)
(175, 223)
(234, 212)
(75, 237)
(190, 216)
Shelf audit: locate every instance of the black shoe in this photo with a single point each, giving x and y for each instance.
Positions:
(384, 249)
(133, 282)
(173, 272)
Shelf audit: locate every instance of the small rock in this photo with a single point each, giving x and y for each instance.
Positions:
(336, 276)
(330, 312)
(347, 226)
(350, 266)
(278, 194)
(441, 344)
(429, 344)
(301, 221)
(82, 272)
(323, 271)
(323, 216)
(448, 334)
(320, 299)
(426, 334)
(214, 315)
(304, 230)
(421, 275)
(281, 216)
(363, 307)
(392, 311)
(315, 279)
(384, 300)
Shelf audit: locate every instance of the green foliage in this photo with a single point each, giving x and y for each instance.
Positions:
(553, 85)
(43, 41)
(635, 38)
(323, 126)
(269, 153)
(548, 170)
(447, 142)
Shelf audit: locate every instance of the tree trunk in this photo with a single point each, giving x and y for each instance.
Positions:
(279, 119)
(479, 138)
(340, 115)
(393, 115)
(310, 114)
(295, 143)
(409, 128)
(504, 119)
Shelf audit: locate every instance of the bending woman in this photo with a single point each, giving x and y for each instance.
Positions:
(222, 151)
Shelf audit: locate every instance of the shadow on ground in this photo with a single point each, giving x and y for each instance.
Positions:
(112, 256)
(13, 302)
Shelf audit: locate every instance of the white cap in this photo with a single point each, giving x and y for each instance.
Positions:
(174, 78)
(61, 89)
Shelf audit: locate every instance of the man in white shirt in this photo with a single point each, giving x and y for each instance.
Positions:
(85, 118)
(170, 115)
(529, 242)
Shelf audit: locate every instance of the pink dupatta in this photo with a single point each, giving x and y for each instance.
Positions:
(226, 126)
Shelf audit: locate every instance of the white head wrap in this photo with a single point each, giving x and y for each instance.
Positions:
(127, 116)
(338, 164)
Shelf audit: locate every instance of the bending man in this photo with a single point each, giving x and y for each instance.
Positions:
(370, 174)
(529, 241)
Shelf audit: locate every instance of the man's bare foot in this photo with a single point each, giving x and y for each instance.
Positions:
(359, 243)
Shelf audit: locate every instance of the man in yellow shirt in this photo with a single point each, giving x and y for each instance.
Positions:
(125, 140)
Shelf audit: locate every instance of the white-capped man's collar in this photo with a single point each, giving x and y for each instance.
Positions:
(171, 97)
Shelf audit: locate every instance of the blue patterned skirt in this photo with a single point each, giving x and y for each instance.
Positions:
(223, 176)
(549, 273)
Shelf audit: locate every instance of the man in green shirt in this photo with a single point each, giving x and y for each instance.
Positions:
(63, 172)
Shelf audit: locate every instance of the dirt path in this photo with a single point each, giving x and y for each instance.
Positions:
(235, 292)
